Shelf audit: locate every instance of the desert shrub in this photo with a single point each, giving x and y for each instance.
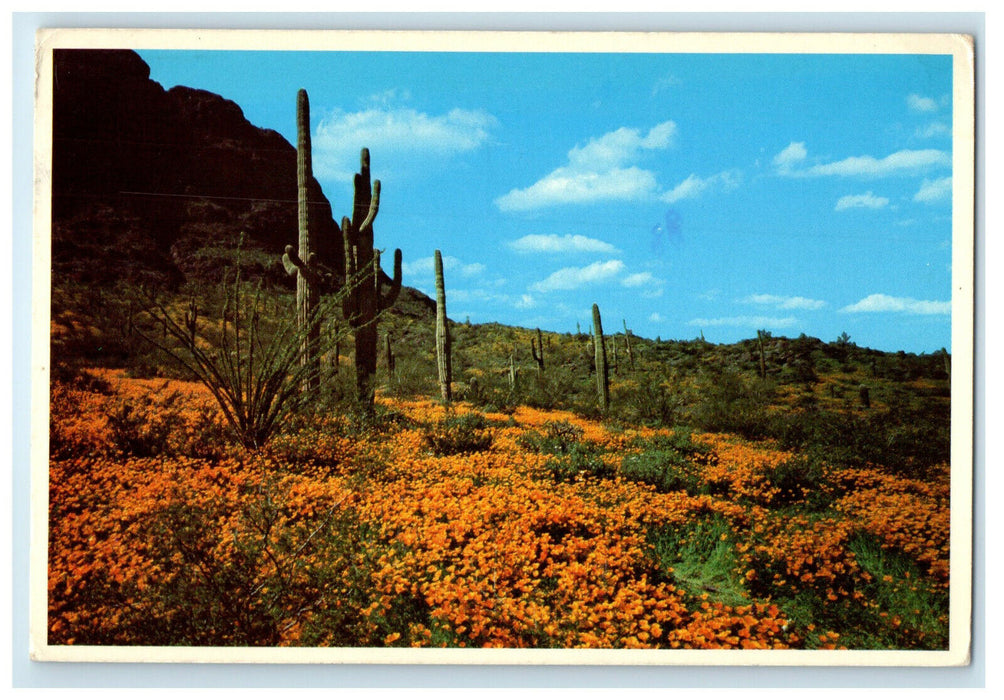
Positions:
(459, 434)
(666, 470)
(728, 402)
(556, 438)
(803, 480)
(250, 586)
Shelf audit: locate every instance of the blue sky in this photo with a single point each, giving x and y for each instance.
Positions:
(683, 193)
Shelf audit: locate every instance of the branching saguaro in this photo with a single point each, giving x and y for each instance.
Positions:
(443, 354)
(301, 261)
(366, 299)
(602, 375)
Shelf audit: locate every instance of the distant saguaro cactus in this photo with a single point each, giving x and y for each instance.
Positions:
(390, 355)
(763, 356)
(365, 299)
(301, 261)
(443, 358)
(537, 351)
(627, 344)
(602, 376)
(192, 319)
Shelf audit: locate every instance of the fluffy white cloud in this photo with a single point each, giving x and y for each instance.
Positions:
(782, 302)
(655, 317)
(526, 301)
(905, 161)
(694, 186)
(641, 279)
(861, 201)
(791, 156)
(552, 243)
(745, 322)
(575, 277)
(394, 131)
(902, 162)
(918, 103)
(600, 170)
(934, 190)
(882, 303)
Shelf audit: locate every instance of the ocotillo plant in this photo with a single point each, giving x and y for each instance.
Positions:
(366, 299)
(443, 358)
(300, 261)
(537, 351)
(602, 377)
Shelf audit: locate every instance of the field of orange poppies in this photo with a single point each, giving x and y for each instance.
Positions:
(422, 526)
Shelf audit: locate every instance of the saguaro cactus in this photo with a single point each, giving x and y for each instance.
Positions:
(602, 376)
(763, 356)
(390, 355)
(365, 299)
(627, 344)
(443, 357)
(537, 351)
(301, 261)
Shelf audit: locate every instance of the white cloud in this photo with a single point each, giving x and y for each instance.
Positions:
(552, 243)
(390, 131)
(526, 301)
(694, 186)
(882, 303)
(792, 155)
(782, 302)
(900, 162)
(934, 190)
(640, 279)
(861, 201)
(905, 161)
(934, 129)
(745, 322)
(575, 277)
(600, 170)
(918, 103)
(655, 317)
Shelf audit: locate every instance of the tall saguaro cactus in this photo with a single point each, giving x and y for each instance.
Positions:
(627, 344)
(443, 358)
(602, 376)
(301, 261)
(537, 351)
(365, 299)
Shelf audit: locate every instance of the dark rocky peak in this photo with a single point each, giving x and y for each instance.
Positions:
(173, 176)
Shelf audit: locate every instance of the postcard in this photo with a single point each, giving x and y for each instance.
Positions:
(503, 347)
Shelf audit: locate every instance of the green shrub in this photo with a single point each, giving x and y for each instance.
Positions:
(459, 434)
(557, 438)
(666, 470)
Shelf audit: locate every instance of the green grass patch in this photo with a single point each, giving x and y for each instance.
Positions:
(701, 558)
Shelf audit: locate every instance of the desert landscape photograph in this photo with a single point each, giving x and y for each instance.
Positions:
(536, 349)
